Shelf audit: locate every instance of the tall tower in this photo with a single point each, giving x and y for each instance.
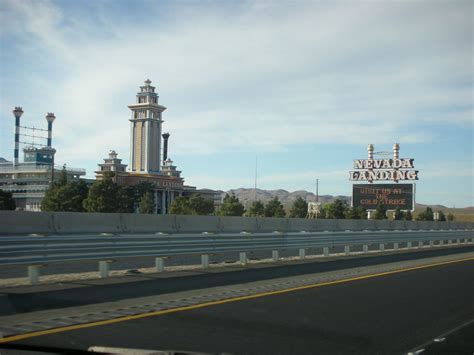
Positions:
(145, 131)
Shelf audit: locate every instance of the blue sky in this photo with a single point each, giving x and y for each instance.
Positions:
(303, 85)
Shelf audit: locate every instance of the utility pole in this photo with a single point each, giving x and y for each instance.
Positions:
(317, 192)
(255, 186)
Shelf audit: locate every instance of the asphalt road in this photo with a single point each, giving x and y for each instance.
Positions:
(388, 314)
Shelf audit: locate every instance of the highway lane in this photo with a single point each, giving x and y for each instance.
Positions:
(389, 314)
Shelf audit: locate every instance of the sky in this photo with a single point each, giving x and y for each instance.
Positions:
(300, 86)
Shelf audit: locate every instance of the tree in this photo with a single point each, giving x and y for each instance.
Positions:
(337, 209)
(256, 209)
(398, 215)
(231, 206)
(408, 216)
(194, 205)
(450, 217)
(200, 205)
(356, 213)
(147, 203)
(274, 208)
(324, 211)
(180, 205)
(106, 196)
(380, 211)
(64, 195)
(426, 215)
(6, 200)
(299, 209)
(442, 217)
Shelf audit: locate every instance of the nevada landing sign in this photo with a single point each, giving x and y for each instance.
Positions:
(383, 169)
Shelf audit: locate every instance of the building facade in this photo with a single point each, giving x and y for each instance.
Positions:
(149, 161)
(29, 180)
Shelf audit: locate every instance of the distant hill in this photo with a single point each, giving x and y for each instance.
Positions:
(247, 196)
(287, 198)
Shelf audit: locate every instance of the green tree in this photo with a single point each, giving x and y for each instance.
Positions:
(193, 205)
(180, 205)
(324, 211)
(442, 217)
(200, 205)
(65, 196)
(274, 208)
(147, 203)
(398, 215)
(256, 209)
(337, 209)
(231, 206)
(426, 215)
(408, 215)
(299, 208)
(380, 211)
(106, 196)
(6, 200)
(356, 213)
(450, 217)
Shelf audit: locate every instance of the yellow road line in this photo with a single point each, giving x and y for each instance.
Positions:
(213, 303)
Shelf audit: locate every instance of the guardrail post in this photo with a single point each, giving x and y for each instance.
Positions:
(204, 261)
(347, 249)
(409, 245)
(431, 244)
(420, 244)
(159, 264)
(302, 253)
(395, 246)
(33, 274)
(326, 251)
(365, 248)
(104, 268)
(275, 255)
(243, 258)
(381, 246)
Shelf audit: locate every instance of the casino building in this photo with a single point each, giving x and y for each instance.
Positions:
(28, 180)
(149, 160)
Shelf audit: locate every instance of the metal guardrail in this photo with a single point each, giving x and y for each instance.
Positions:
(34, 250)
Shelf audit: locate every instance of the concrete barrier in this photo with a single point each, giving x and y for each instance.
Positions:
(21, 222)
(197, 224)
(368, 224)
(399, 225)
(327, 225)
(351, 224)
(148, 223)
(267, 225)
(383, 224)
(18, 222)
(412, 225)
(238, 224)
(301, 224)
(70, 222)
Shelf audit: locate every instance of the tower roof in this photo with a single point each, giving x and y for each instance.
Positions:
(147, 88)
